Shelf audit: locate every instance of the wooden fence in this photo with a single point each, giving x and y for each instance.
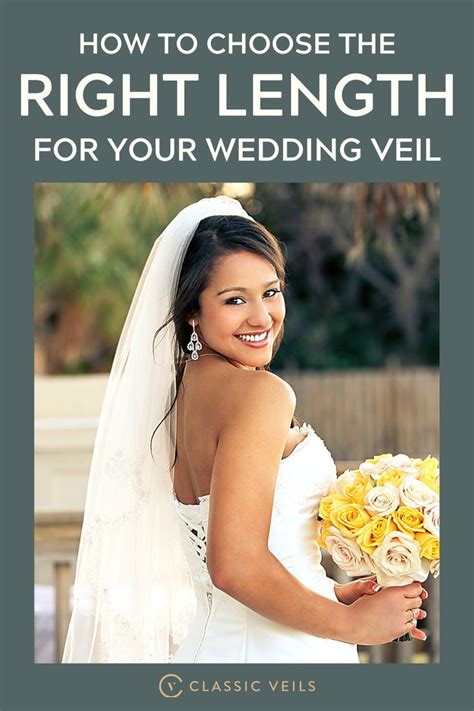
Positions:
(365, 412)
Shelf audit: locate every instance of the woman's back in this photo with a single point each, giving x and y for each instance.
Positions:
(210, 391)
(225, 629)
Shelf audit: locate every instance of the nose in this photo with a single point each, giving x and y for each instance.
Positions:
(259, 316)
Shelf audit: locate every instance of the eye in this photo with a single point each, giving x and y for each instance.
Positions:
(272, 293)
(275, 291)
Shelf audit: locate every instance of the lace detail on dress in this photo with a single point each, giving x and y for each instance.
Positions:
(305, 427)
(194, 519)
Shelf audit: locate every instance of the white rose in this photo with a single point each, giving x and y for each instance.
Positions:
(397, 561)
(400, 462)
(347, 554)
(431, 518)
(403, 463)
(434, 568)
(382, 500)
(375, 470)
(415, 493)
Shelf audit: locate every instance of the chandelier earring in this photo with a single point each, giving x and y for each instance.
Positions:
(194, 344)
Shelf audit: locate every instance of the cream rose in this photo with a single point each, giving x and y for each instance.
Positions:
(346, 477)
(397, 561)
(431, 518)
(385, 462)
(382, 500)
(404, 464)
(415, 494)
(376, 466)
(434, 568)
(347, 554)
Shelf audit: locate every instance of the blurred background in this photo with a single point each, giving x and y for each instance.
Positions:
(361, 345)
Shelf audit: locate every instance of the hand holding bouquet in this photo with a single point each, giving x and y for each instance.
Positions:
(383, 519)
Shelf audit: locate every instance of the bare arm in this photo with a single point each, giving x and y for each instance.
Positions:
(251, 442)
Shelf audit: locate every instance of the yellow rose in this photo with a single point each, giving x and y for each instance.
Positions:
(429, 473)
(391, 476)
(409, 520)
(322, 533)
(328, 503)
(433, 483)
(429, 545)
(373, 533)
(429, 466)
(354, 486)
(349, 518)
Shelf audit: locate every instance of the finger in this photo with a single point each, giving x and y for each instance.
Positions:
(413, 590)
(422, 614)
(419, 634)
(413, 602)
(424, 593)
(412, 618)
(368, 580)
(370, 587)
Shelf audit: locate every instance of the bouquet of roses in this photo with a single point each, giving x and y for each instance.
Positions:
(383, 519)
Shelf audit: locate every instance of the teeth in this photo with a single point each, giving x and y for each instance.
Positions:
(254, 338)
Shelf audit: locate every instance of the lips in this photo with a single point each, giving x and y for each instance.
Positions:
(252, 339)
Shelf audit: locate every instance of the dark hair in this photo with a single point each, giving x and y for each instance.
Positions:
(215, 238)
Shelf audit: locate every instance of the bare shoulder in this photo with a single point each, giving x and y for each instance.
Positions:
(273, 387)
(257, 395)
(229, 394)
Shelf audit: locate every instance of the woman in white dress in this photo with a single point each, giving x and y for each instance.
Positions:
(246, 481)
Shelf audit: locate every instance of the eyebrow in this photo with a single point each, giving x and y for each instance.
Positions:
(241, 288)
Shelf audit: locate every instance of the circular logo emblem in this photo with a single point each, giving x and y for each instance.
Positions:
(169, 686)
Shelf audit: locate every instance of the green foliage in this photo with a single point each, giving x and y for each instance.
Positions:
(91, 243)
(363, 268)
(363, 265)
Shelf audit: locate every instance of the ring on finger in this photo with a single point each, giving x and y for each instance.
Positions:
(414, 616)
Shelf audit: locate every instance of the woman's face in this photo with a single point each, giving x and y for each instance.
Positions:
(243, 297)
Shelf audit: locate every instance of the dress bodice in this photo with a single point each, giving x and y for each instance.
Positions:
(303, 478)
(225, 630)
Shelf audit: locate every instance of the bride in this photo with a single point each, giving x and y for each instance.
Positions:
(199, 534)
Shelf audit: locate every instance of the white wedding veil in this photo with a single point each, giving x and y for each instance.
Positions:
(133, 594)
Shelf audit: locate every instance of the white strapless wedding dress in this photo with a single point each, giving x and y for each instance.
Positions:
(225, 631)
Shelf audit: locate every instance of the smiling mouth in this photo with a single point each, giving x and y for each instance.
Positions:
(254, 338)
